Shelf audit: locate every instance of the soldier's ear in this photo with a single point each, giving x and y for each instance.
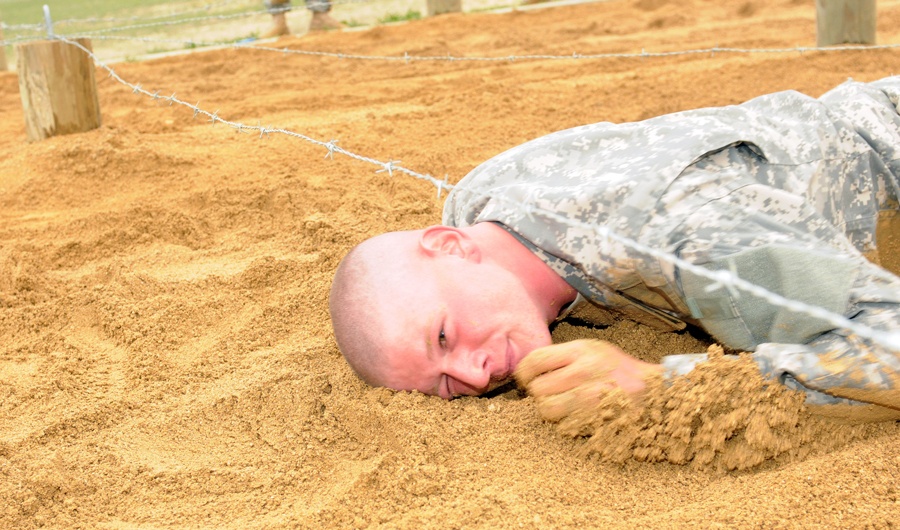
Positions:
(438, 241)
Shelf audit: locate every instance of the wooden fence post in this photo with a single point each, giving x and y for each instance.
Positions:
(439, 7)
(840, 21)
(58, 88)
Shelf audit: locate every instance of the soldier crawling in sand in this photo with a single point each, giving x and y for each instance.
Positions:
(784, 191)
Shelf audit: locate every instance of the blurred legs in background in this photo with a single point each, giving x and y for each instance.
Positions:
(278, 9)
(321, 20)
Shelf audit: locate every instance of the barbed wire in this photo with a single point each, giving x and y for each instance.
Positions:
(722, 279)
(202, 9)
(172, 22)
(103, 34)
(409, 58)
(389, 167)
(406, 57)
(95, 20)
(38, 26)
(726, 279)
(164, 23)
(159, 22)
(19, 40)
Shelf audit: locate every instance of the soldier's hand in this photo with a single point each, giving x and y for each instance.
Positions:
(567, 377)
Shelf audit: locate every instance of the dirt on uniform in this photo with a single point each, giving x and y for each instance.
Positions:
(166, 357)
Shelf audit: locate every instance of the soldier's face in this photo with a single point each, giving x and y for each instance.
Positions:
(456, 327)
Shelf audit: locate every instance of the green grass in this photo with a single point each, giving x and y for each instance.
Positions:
(31, 11)
(412, 14)
(15, 12)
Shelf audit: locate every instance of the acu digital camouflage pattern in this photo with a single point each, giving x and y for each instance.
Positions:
(280, 6)
(785, 190)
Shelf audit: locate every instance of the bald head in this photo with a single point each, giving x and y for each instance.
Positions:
(444, 310)
(357, 304)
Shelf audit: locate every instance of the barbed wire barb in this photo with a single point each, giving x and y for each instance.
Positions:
(722, 279)
(603, 236)
(331, 146)
(442, 184)
(389, 167)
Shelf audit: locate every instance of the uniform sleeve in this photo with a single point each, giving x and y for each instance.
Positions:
(838, 364)
(771, 246)
(836, 368)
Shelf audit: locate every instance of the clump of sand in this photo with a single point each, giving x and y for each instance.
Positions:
(723, 414)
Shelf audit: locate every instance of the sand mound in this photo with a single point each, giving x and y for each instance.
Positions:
(723, 415)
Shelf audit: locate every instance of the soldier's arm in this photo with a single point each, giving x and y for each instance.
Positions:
(836, 367)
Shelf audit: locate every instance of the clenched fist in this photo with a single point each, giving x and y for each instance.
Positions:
(567, 377)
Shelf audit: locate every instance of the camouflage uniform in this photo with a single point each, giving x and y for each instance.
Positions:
(280, 6)
(784, 190)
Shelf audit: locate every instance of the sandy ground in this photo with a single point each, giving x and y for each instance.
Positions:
(166, 359)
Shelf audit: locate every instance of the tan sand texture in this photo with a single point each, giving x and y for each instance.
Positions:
(166, 359)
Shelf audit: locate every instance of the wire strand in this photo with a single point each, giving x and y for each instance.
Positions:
(724, 278)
